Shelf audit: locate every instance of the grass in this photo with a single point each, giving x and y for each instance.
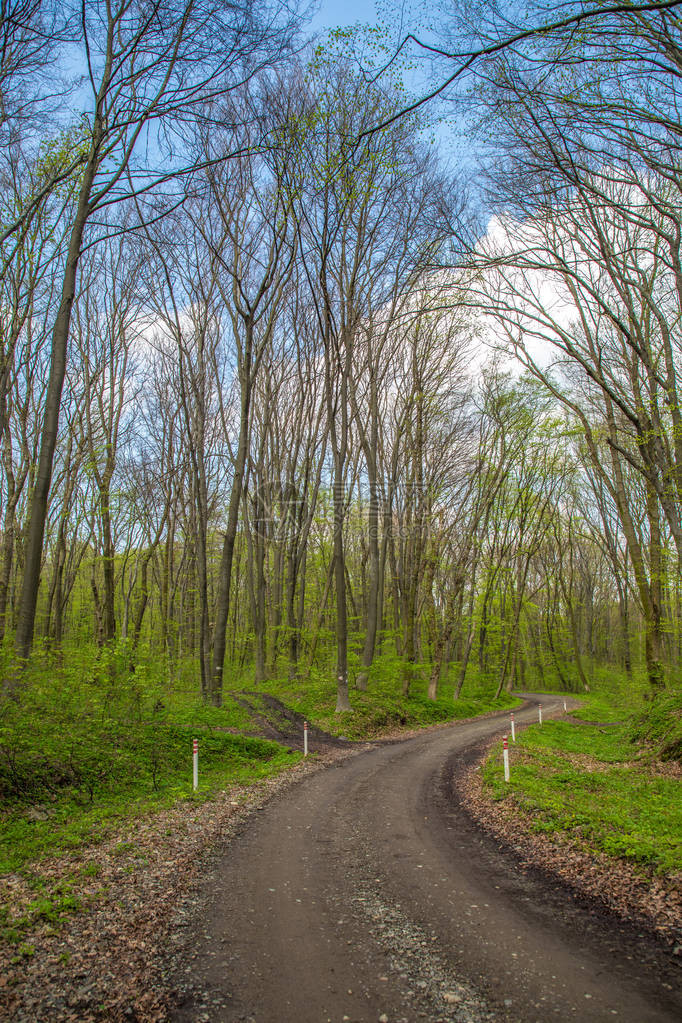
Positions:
(127, 782)
(596, 784)
(87, 745)
(381, 707)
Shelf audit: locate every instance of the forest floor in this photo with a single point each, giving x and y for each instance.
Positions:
(142, 926)
(650, 900)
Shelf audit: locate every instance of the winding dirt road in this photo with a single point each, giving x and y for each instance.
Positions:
(365, 893)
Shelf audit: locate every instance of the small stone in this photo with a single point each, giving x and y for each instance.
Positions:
(508, 1002)
(451, 998)
(383, 1018)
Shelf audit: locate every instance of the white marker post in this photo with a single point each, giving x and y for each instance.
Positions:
(195, 763)
(305, 738)
(513, 729)
(564, 706)
(540, 714)
(505, 756)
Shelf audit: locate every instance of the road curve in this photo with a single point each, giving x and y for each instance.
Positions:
(364, 893)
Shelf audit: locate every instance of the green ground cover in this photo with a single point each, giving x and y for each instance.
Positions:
(382, 707)
(86, 745)
(601, 785)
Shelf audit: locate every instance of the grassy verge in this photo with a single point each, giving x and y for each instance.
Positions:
(602, 786)
(103, 781)
(84, 748)
(114, 779)
(382, 707)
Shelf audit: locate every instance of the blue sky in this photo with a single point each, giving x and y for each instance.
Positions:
(343, 12)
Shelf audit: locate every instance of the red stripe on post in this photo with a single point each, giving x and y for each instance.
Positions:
(195, 745)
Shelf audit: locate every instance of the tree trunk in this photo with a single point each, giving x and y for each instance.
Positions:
(109, 597)
(342, 701)
(48, 440)
(225, 569)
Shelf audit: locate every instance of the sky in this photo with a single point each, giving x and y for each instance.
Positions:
(340, 13)
(333, 13)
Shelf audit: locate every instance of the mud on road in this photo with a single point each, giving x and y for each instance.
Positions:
(366, 893)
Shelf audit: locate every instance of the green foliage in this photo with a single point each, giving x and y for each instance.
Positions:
(87, 746)
(660, 726)
(613, 697)
(609, 745)
(382, 706)
(581, 780)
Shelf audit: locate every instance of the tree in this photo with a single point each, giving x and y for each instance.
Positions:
(146, 66)
(359, 216)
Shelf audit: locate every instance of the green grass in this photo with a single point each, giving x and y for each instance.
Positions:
(610, 802)
(146, 769)
(382, 707)
(610, 745)
(87, 746)
(613, 696)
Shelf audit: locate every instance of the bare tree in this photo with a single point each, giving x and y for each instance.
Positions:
(145, 67)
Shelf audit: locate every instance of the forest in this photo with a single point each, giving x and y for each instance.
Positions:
(288, 393)
(340, 435)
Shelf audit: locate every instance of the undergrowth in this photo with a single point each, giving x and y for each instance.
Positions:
(86, 743)
(601, 784)
(382, 706)
(84, 747)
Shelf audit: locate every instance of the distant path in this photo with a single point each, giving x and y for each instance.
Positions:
(364, 894)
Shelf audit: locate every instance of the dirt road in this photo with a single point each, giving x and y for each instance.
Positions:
(366, 894)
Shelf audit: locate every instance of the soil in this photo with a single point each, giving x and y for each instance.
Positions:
(276, 721)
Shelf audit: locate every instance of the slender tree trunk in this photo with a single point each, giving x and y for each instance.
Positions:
(293, 633)
(276, 604)
(109, 596)
(256, 540)
(48, 440)
(6, 568)
(225, 570)
(654, 637)
(373, 589)
(342, 701)
(465, 661)
(320, 614)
